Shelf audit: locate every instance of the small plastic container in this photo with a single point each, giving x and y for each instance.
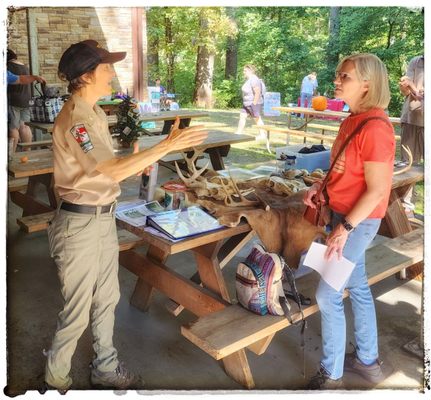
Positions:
(175, 196)
(310, 161)
(147, 187)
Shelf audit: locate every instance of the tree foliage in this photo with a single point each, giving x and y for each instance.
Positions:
(284, 43)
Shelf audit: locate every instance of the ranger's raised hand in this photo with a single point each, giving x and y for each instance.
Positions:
(179, 139)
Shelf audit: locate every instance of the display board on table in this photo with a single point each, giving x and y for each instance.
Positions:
(270, 100)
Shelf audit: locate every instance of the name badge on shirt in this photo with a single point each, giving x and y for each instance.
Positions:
(81, 136)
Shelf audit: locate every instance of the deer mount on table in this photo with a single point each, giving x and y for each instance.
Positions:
(272, 206)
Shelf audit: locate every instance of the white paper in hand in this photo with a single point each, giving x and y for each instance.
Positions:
(334, 272)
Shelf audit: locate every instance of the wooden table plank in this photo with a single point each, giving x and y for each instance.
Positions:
(310, 111)
(325, 113)
(186, 244)
(41, 161)
(413, 175)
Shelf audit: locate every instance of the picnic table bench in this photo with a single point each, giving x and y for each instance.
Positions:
(293, 132)
(17, 184)
(35, 145)
(232, 329)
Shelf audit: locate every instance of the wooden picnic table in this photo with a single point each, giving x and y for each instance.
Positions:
(396, 221)
(212, 298)
(311, 114)
(167, 116)
(212, 251)
(39, 167)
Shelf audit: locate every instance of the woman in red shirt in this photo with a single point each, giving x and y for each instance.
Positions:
(358, 191)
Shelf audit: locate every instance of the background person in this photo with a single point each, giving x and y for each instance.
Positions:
(18, 97)
(82, 235)
(308, 89)
(358, 189)
(252, 100)
(13, 79)
(159, 85)
(412, 118)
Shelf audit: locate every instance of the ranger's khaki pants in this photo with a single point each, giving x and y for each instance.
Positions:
(85, 249)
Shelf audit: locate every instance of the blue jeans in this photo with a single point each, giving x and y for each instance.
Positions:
(308, 97)
(331, 305)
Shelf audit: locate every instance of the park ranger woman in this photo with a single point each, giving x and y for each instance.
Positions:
(82, 235)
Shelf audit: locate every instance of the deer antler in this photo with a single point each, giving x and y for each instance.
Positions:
(243, 202)
(194, 173)
(407, 167)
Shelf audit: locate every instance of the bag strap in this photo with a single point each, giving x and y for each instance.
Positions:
(290, 277)
(343, 146)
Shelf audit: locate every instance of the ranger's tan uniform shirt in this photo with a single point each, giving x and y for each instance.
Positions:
(81, 139)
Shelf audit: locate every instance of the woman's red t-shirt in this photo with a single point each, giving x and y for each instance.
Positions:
(375, 142)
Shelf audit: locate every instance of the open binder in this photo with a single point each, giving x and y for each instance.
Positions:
(180, 224)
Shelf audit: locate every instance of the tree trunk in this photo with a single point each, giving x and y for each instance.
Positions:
(334, 30)
(170, 56)
(231, 48)
(153, 59)
(202, 95)
(333, 52)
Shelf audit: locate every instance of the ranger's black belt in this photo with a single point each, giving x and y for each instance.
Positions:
(83, 209)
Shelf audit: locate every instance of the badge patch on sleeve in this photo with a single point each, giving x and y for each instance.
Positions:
(81, 136)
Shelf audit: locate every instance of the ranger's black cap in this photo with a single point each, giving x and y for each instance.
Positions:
(84, 56)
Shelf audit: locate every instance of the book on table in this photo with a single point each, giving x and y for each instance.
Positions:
(136, 212)
(180, 224)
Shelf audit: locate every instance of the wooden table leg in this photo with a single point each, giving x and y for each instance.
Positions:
(216, 157)
(229, 249)
(143, 293)
(236, 365)
(395, 220)
(184, 123)
(29, 203)
(209, 268)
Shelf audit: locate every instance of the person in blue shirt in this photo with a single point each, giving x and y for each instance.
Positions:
(162, 88)
(13, 79)
(308, 88)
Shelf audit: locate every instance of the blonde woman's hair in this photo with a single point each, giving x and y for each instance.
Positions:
(251, 67)
(370, 68)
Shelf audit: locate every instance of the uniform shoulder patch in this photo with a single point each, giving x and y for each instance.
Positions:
(81, 136)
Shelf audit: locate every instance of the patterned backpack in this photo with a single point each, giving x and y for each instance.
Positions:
(259, 284)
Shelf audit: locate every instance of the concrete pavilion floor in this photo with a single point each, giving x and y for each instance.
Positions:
(151, 343)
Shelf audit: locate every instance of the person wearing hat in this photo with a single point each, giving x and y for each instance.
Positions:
(82, 235)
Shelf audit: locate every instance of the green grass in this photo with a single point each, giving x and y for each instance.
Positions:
(419, 203)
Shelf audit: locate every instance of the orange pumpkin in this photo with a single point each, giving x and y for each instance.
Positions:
(319, 103)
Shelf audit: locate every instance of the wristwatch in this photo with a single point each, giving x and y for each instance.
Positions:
(347, 226)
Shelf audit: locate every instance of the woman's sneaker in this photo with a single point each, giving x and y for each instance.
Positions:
(322, 381)
(372, 373)
(120, 378)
